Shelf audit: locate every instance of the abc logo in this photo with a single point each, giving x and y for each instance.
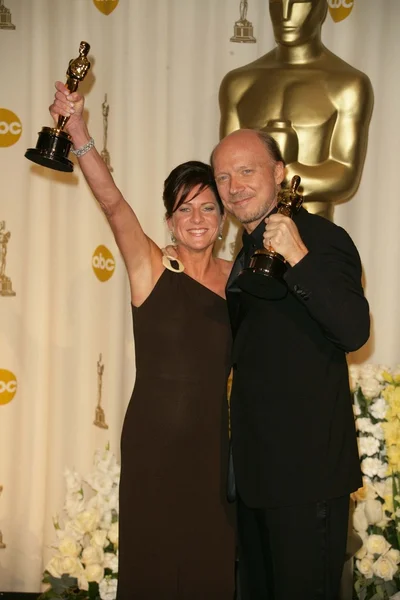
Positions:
(10, 128)
(103, 263)
(8, 386)
(340, 9)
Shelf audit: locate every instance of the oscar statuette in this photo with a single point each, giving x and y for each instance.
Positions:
(53, 143)
(100, 418)
(264, 276)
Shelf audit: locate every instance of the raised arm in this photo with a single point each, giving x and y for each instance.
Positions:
(141, 255)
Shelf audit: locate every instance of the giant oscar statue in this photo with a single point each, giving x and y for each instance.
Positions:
(315, 105)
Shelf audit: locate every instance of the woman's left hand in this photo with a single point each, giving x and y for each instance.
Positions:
(283, 236)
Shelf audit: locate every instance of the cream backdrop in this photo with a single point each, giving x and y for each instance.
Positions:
(161, 63)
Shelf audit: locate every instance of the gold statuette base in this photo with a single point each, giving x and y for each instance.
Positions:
(6, 287)
(51, 150)
(100, 419)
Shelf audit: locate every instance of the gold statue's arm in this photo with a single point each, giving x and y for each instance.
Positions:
(337, 179)
(229, 96)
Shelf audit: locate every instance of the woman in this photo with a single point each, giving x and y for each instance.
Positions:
(176, 534)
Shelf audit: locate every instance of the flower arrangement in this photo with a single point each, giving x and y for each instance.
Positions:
(377, 514)
(85, 563)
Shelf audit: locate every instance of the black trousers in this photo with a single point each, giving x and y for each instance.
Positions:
(292, 553)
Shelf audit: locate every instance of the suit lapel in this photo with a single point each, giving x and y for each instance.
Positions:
(233, 291)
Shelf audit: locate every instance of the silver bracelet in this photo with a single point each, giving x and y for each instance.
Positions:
(83, 149)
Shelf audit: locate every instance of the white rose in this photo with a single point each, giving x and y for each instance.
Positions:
(373, 511)
(113, 534)
(88, 519)
(367, 445)
(54, 567)
(378, 409)
(94, 572)
(373, 467)
(108, 589)
(69, 547)
(371, 388)
(361, 552)
(111, 561)
(384, 568)
(393, 555)
(365, 567)
(75, 530)
(83, 582)
(360, 521)
(72, 566)
(74, 504)
(92, 555)
(99, 538)
(376, 544)
(73, 481)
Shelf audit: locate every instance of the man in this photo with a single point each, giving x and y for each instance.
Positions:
(294, 444)
(315, 105)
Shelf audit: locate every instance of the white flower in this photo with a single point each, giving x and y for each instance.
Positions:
(378, 408)
(111, 561)
(394, 555)
(73, 481)
(356, 409)
(69, 547)
(377, 431)
(83, 583)
(360, 521)
(376, 544)
(367, 445)
(113, 534)
(88, 519)
(106, 519)
(373, 467)
(373, 511)
(371, 388)
(99, 538)
(105, 462)
(361, 552)
(364, 424)
(108, 589)
(54, 566)
(384, 568)
(354, 376)
(94, 572)
(74, 504)
(101, 482)
(92, 555)
(72, 566)
(365, 567)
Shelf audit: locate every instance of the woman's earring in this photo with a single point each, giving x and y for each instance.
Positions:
(173, 238)
(220, 236)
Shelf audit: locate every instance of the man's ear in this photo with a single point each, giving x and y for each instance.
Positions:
(279, 173)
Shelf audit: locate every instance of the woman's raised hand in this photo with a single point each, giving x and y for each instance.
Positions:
(67, 105)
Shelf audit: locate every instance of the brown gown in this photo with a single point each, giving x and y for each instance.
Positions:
(176, 539)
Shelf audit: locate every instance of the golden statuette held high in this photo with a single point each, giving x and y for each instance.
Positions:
(264, 276)
(54, 144)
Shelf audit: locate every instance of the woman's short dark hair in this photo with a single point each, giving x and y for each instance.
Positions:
(183, 179)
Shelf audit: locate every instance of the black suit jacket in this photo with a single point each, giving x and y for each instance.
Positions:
(293, 434)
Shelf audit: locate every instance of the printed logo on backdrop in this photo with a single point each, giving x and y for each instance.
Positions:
(5, 17)
(103, 263)
(10, 128)
(105, 6)
(8, 386)
(5, 282)
(340, 9)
